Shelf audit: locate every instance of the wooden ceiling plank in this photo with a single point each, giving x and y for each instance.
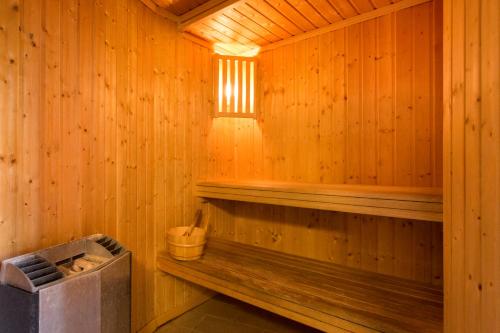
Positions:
(216, 35)
(257, 17)
(381, 3)
(275, 16)
(239, 38)
(241, 29)
(232, 49)
(363, 6)
(198, 40)
(177, 7)
(347, 22)
(198, 3)
(160, 11)
(344, 8)
(180, 7)
(292, 14)
(255, 27)
(162, 3)
(309, 12)
(209, 34)
(206, 11)
(217, 41)
(204, 35)
(326, 10)
(354, 6)
(202, 9)
(223, 41)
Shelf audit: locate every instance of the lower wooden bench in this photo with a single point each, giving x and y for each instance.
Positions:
(326, 296)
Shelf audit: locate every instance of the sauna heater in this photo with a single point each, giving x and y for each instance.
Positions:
(81, 286)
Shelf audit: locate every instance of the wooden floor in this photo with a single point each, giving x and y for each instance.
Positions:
(322, 295)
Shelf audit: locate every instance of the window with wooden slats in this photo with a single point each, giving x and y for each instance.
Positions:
(234, 88)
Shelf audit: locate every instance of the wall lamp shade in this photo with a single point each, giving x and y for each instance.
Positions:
(234, 86)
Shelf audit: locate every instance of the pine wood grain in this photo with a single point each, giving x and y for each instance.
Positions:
(403, 202)
(325, 296)
(96, 130)
(271, 24)
(471, 165)
(316, 123)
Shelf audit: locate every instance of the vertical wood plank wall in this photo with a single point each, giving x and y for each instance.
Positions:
(358, 105)
(472, 165)
(101, 106)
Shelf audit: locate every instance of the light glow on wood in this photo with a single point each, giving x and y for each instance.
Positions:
(244, 87)
(236, 50)
(237, 83)
(252, 85)
(235, 86)
(220, 71)
(228, 85)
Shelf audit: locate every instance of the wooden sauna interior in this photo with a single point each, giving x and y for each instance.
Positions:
(365, 186)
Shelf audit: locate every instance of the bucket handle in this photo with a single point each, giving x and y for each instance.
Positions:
(206, 219)
(190, 229)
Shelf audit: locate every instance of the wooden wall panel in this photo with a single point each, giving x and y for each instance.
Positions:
(472, 165)
(358, 105)
(101, 108)
(10, 38)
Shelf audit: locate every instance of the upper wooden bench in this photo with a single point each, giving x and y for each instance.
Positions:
(417, 203)
(326, 296)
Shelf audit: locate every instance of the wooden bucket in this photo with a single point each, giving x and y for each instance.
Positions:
(183, 247)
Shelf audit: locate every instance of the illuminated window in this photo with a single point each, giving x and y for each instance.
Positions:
(234, 86)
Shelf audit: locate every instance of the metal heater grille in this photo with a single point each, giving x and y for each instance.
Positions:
(39, 271)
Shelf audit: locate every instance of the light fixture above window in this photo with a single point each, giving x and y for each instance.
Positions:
(234, 88)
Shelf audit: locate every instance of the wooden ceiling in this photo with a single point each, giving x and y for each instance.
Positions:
(262, 22)
(239, 26)
(179, 7)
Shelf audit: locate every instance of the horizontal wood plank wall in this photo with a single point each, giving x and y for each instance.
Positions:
(472, 165)
(359, 105)
(101, 108)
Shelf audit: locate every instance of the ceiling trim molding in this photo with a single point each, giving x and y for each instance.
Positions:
(197, 40)
(205, 12)
(345, 23)
(161, 11)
